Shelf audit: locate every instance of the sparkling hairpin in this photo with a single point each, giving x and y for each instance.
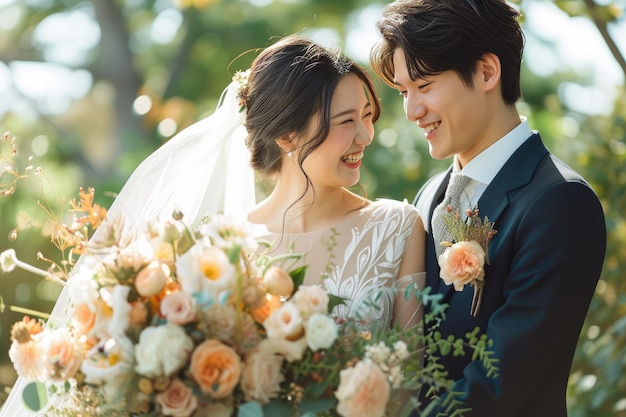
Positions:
(241, 80)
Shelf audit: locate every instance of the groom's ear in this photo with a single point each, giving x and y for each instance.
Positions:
(489, 71)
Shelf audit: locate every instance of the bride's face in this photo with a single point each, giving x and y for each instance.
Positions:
(337, 161)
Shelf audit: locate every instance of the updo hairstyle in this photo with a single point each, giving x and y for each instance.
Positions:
(290, 82)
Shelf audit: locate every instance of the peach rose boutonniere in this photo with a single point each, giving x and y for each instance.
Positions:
(463, 260)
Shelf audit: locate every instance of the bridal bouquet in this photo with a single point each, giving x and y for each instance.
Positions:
(180, 321)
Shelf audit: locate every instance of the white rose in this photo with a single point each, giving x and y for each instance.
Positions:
(162, 350)
(321, 332)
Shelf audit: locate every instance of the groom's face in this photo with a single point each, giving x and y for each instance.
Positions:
(451, 114)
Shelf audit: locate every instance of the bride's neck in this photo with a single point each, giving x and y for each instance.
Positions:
(285, 210)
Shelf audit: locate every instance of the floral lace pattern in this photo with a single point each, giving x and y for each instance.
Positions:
(363, 258)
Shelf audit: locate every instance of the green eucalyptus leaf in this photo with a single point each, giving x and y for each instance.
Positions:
(321, 405)
(35, 396)
(250, 409)
(277, 409)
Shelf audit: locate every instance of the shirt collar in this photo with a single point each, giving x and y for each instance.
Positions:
(484, 167)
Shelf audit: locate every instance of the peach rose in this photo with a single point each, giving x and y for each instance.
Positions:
(363, 391)
(278, 282)
(62, 353)
(262, 377)
(311, 299)
(83, 318)
(216, 368)
(178, 308)
(138, 313)
(462, 263)
(177, 400)
(285, 323)
(152, 278)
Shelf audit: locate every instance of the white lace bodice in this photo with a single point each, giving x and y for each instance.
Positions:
(358, 259)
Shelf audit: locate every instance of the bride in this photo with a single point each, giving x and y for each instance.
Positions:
(302, 116)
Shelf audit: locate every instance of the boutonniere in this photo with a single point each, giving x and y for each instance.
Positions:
(463, 260)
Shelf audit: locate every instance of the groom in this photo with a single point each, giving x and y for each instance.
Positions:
(457, 65)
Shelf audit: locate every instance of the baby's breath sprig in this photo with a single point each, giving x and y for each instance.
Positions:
(241, 79)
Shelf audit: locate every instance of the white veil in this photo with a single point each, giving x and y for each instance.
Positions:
(203, 169)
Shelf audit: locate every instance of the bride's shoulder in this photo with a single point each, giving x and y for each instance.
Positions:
(389, 208)
(394, 205)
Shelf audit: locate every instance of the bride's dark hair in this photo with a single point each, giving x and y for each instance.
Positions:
(290, 82)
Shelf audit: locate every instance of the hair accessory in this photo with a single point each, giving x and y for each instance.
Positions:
(241, 80)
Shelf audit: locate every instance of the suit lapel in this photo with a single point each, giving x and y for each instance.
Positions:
(516, 172)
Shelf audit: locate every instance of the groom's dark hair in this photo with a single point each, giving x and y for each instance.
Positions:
(443, 35)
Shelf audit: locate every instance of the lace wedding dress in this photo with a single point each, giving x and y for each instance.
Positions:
(359, 259)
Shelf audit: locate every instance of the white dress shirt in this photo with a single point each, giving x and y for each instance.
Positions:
(484, 167)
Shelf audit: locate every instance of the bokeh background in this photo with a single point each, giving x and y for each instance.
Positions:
(89, 88)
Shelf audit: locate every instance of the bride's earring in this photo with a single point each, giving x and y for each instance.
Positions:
(289, 154)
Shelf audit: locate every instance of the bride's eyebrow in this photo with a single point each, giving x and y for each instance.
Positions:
(343, 113)
(351, 111)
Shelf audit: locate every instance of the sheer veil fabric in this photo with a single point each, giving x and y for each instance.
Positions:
(204, 169)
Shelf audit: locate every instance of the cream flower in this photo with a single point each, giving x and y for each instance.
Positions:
(311, 299)
(262, 376)
(110, 365)
(205, 269)
(8, 260)
(363, 391)
(291, 350)
(151, 279)
(321, 332)
(278, 282)
(221, 321)
(162, 350)
(285, 323)
(29, 359)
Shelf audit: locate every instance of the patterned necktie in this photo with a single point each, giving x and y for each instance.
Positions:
(452, 198)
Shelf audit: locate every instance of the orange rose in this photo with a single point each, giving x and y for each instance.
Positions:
(462, 263)
(216, 368)
(260, 314)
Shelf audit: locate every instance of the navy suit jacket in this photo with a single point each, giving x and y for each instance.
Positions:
(546, 258)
